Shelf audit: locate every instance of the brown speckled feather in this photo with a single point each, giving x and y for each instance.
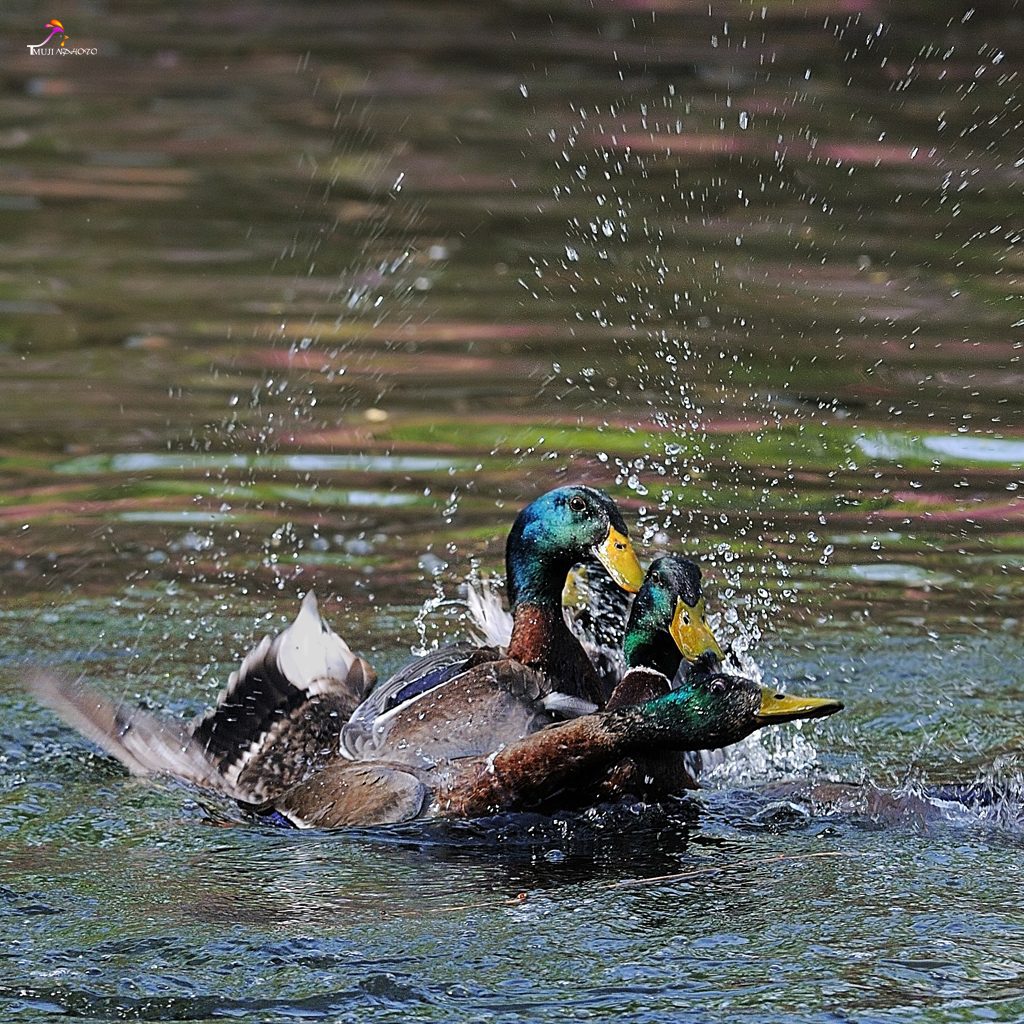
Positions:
(301, 741)
(491, 704)
(279, 718)
(348, 793)
(280, 715)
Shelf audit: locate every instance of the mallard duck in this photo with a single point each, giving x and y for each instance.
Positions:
(564, 765)
(552, 534)
(666, 638)
(498, 695)
(281, 715)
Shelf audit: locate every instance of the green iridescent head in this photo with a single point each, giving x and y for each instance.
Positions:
(559, 529)
(668, 620)
(714, 709)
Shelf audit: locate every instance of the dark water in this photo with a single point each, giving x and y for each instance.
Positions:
(318, 295)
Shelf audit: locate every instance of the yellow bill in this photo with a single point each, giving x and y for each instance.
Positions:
(786, 707)
(689, 628)
(616, 554)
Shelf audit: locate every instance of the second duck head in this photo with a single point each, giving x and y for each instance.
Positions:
(668, 619)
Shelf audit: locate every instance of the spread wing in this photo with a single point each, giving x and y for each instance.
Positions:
(280, 715)
(278, 719)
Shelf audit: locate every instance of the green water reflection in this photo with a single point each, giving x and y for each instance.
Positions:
(751, 269)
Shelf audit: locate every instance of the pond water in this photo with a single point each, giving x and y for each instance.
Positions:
(320, 295)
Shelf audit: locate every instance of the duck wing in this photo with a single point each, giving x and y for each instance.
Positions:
(360, 734)
(278, 719)
(493, 701)
(421, 674)
(280, 715)
(489, 622)
(145, 743)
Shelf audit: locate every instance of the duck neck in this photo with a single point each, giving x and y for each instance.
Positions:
(540, 637)
(528, 772)
(668, 722)
(542, 640)
(654, 650)
(570, 758)
(558, 761)
(534, 577)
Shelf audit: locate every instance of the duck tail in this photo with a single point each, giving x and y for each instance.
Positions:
(146, 744)
(278, 719)
(489, 623)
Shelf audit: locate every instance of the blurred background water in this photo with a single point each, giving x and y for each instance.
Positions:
(320, 294)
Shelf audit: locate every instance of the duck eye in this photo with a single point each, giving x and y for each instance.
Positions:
(577, 504)
(718, 686)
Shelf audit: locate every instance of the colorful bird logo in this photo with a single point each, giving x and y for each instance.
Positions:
(56, 29)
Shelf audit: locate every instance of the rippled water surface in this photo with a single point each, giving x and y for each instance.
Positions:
(321, 294)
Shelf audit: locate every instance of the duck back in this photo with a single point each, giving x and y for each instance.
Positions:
(491, 701)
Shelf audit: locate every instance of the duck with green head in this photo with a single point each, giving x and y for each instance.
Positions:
(468, 700)
(667, 627)
(667, 643)
(565, 765)
(551, 535)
